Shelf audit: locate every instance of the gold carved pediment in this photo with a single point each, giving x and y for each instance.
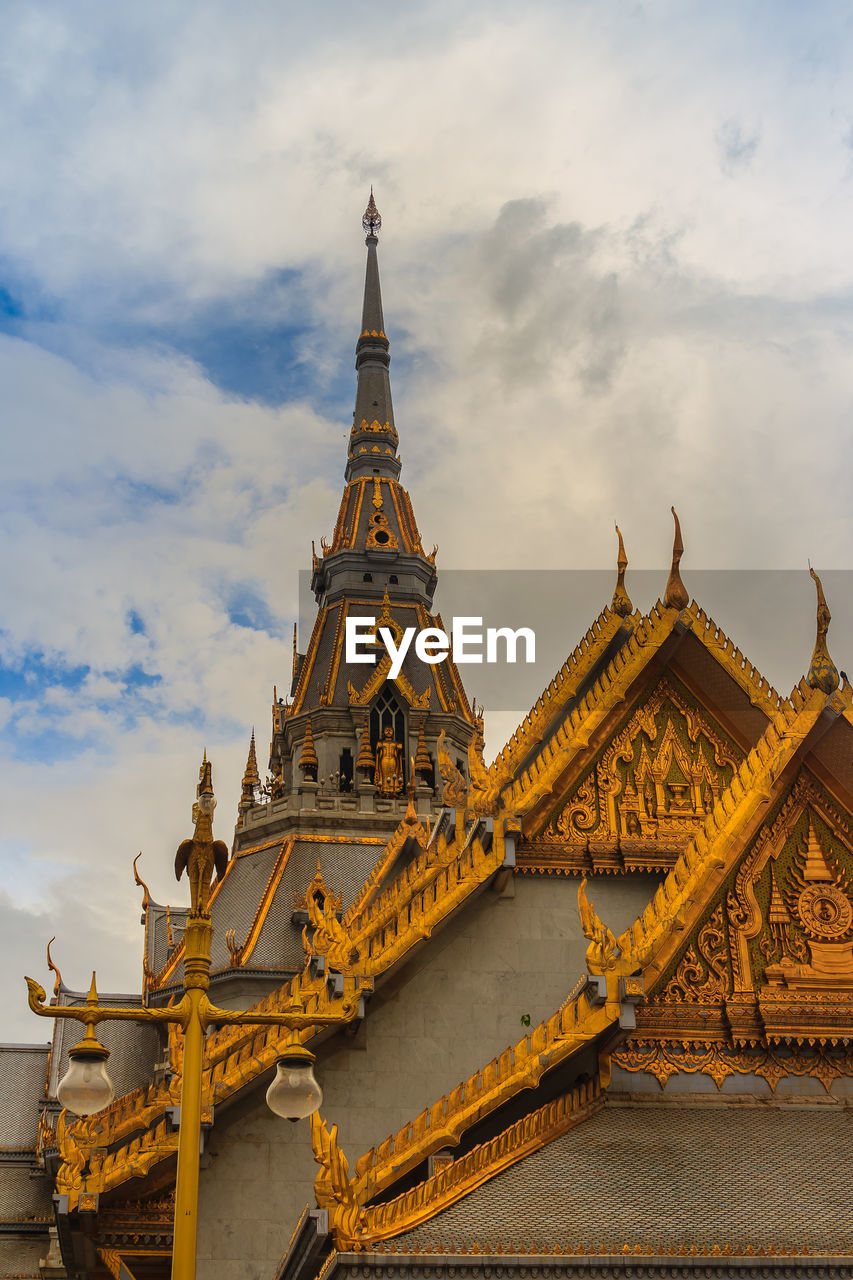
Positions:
(657, 780)
(773, 952)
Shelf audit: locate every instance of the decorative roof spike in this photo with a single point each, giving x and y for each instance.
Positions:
(365, 755)
(146, 896)
(251, 778)
(422, 764)
(251, 781)
(308, 762)
(823, 673)
(621, 602)
(676, 596)
(295, 660)
(57, 986)
(411, 816)
(371, 222)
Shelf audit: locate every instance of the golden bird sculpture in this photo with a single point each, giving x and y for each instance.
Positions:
(202, 855)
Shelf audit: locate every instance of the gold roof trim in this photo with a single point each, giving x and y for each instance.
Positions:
(355, 1227)
(759, 690)
(245, 951)
(519, 1067)
(562, 688)
(572, 736)
(402, 915)
(371, 886)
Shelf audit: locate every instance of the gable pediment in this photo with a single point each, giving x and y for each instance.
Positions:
(647, 790)
(770, 959)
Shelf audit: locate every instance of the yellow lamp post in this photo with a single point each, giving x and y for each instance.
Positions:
(294, 1093)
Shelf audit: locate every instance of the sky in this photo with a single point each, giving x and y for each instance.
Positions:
(617, 274)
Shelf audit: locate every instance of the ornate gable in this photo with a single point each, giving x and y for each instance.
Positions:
(763, 982)
(647, 791)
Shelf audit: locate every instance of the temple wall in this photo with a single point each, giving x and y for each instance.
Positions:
(455, 1005)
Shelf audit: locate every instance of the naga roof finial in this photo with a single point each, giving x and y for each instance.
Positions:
(621, 602)
(823, 673)
(371, 222)
(676, 596)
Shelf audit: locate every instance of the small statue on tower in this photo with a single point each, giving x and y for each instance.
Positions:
(388, 778)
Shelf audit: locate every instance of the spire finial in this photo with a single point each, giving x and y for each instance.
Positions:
(621, 602)
(823, 673)
(676, 596)
(371, 222)
(251, 782)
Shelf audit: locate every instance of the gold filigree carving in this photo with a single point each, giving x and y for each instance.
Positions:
(704, 973)
(720, 1061)
(656, 782)
(380, 535)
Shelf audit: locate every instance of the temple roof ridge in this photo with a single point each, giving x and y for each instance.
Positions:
(559, 690)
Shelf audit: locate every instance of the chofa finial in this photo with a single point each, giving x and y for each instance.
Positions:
(823, 673)
(621, 602)
(371, 222)
(676, 596)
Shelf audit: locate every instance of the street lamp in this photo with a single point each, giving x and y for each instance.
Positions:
(294, 1093)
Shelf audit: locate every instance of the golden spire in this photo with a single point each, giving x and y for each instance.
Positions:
(422, 765)
(411, 816)
(371, 222)
(308, 762)
(621, 602)
(676, 596)
(294, 663)
(365, 755)
(251, 781)
(815, 868)
(823, 673)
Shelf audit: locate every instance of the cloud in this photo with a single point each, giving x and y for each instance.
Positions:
(589, 318)
(736, 146)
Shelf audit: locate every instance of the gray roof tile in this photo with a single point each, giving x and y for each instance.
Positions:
(666, 1176)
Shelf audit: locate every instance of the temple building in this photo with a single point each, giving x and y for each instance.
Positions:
(595, 998)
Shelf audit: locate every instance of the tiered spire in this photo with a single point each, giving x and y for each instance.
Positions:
(251, 782)
(373, 440)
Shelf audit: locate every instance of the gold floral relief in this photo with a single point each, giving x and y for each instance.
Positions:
(658, 779)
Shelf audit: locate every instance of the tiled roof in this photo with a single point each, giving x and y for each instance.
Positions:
(22, 1077)
(20, 1258)
(22, 1198)
(345, 866)
(664, 1177)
